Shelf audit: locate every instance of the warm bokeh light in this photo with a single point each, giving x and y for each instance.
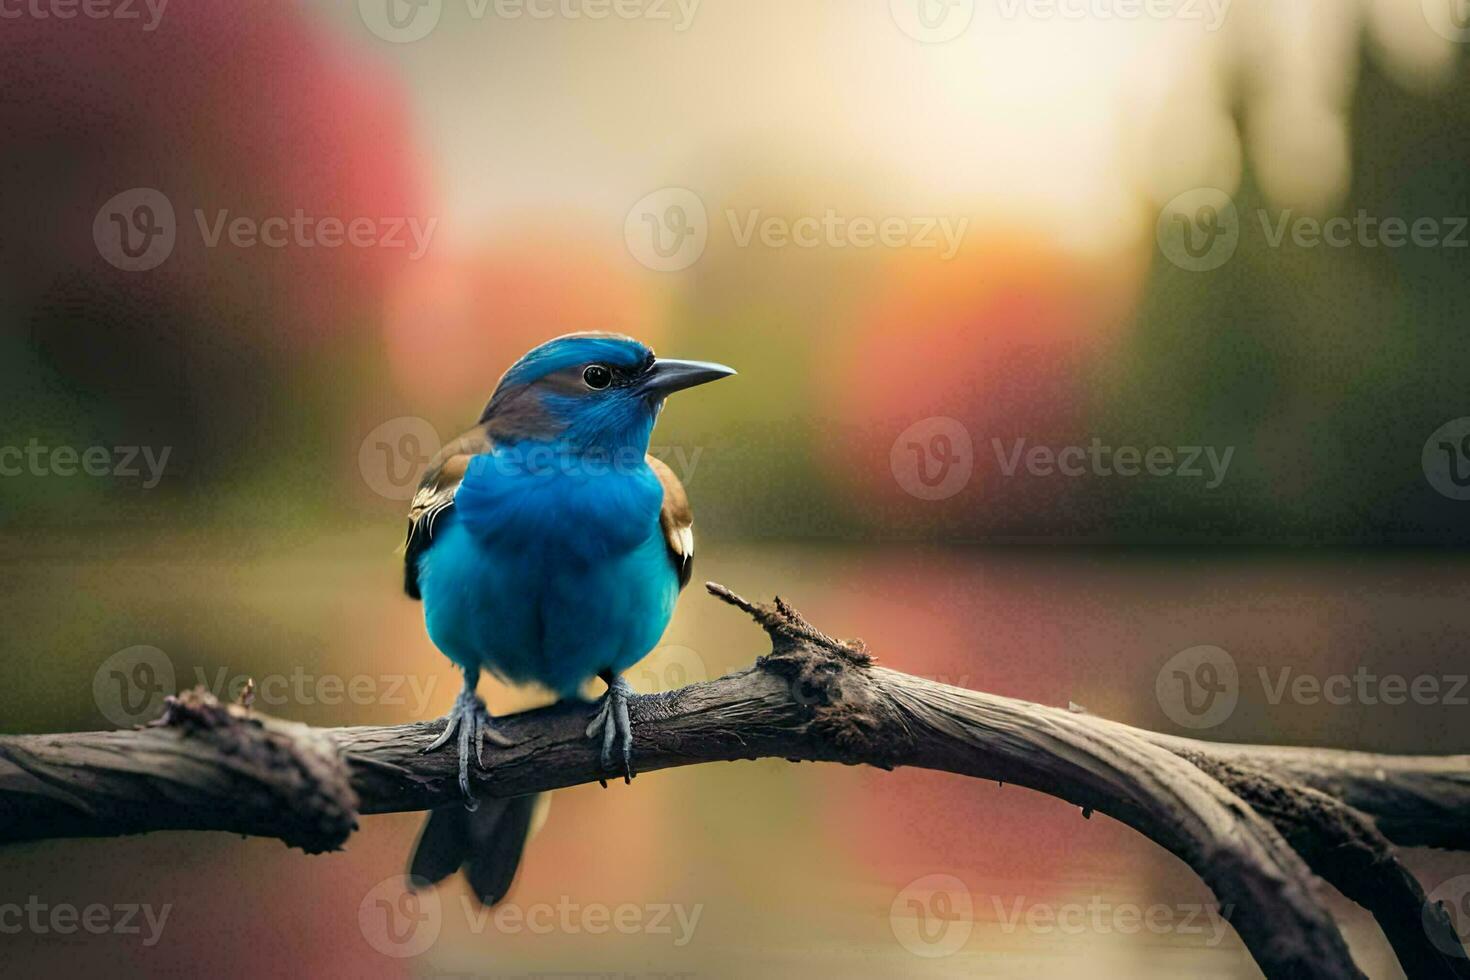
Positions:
(921, 244)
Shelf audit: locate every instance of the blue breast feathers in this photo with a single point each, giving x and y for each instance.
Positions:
(550, 568)
(591, 507)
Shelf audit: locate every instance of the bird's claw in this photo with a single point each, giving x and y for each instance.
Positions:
(475, 726)
(611, 722)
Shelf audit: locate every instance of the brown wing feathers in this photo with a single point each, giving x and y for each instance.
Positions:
(434, 496)
(676, 518)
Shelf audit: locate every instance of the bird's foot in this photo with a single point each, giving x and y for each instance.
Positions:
(475, 726)
(611, 724)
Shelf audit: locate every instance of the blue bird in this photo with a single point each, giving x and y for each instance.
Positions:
(549, 548)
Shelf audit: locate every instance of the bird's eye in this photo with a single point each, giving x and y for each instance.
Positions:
(597, 376)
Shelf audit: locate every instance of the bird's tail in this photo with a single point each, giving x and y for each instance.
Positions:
(486, 842)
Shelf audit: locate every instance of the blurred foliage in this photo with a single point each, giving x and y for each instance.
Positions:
(263, 370)
(1327, 367)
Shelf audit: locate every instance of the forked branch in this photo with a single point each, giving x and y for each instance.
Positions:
(1254, 822)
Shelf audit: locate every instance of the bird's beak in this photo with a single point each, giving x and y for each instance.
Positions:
(668, 376)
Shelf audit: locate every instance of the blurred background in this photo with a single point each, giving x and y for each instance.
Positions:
(1075, 338)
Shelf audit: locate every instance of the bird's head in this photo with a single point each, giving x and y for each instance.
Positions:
(589, 391)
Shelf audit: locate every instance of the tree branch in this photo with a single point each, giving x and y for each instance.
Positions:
(1342, 846)
(1222, 809)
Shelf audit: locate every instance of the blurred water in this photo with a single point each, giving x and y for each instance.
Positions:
(795, 870)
